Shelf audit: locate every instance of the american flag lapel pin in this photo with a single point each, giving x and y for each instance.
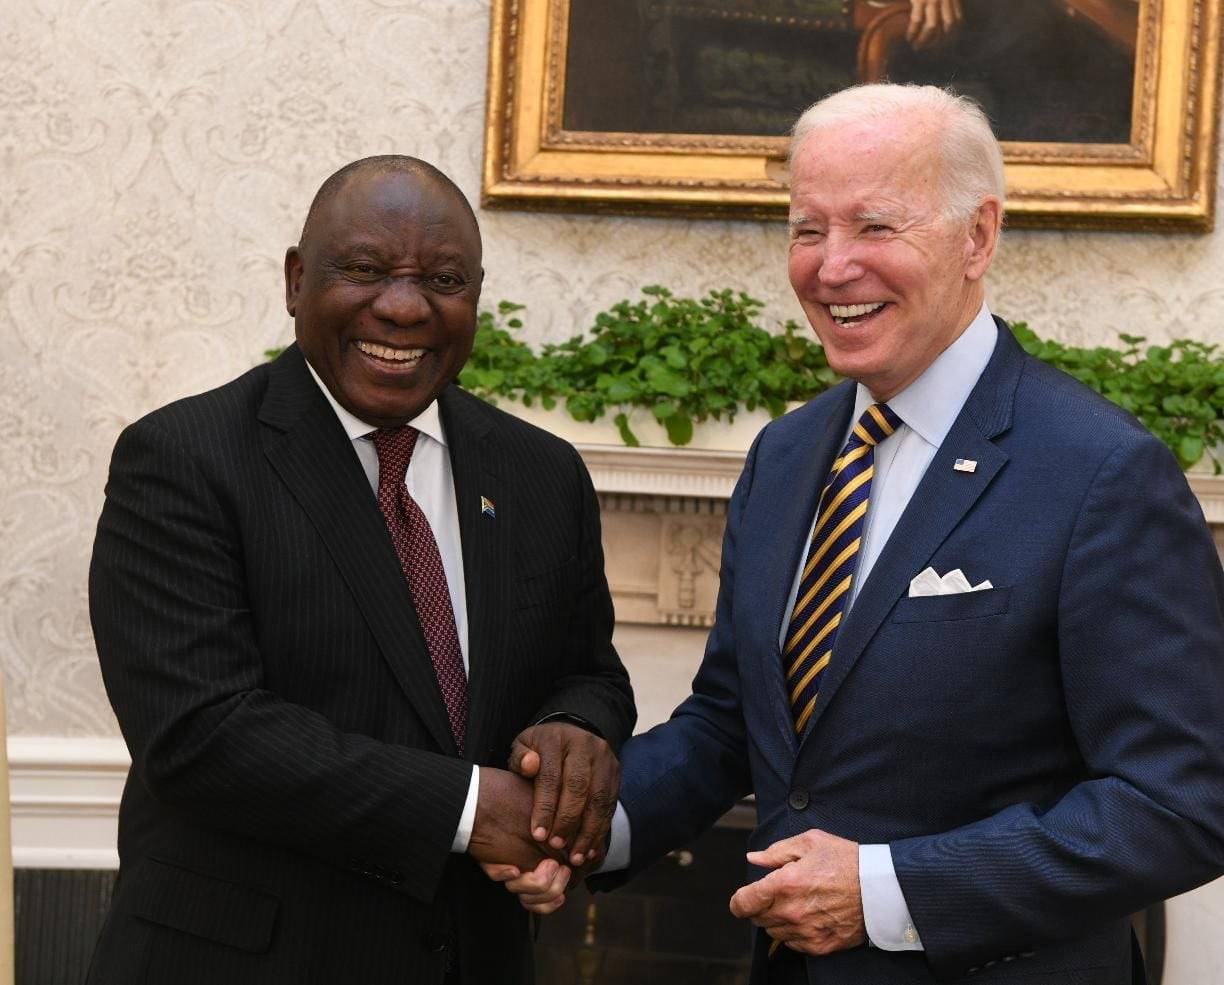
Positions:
(964, 465)
(487, 508)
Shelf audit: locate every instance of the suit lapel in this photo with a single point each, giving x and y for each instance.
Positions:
(477, 461)
(797, 479)
(941, 501)
(307, 446)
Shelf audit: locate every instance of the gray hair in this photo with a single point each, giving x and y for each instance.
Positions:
(972, 157)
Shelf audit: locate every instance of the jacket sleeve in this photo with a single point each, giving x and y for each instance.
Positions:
(683, 775)
(182, 667)
(594, 685)
(1141, 650)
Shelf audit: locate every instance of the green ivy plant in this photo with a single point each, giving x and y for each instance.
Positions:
(692, 359)
(1176, 390)
(689, 360)
(686, 360)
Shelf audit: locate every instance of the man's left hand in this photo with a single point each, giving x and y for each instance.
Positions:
(577, 779)
(811, 901)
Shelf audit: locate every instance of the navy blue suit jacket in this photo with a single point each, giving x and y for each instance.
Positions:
(1044, 757)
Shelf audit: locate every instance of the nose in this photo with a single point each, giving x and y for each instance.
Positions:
(839, 263)
(401, 302)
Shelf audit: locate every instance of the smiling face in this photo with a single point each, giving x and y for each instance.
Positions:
(383, 291)
(886, 280)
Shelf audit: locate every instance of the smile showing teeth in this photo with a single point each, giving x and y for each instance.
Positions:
(390, 354)
(845, 314)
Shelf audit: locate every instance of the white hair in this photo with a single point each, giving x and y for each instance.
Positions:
(972, 157)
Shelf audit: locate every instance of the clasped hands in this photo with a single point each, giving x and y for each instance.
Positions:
(810, 901)
(549, 815)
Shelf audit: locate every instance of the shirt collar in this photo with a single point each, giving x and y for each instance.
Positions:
(428, 421)
(931, 404)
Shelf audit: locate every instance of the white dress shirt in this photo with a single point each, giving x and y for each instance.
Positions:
(431, 484)
(928, 407)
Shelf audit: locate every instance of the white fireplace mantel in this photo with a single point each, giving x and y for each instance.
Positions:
(712, 474)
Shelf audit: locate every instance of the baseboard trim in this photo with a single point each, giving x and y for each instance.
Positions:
(65, 800)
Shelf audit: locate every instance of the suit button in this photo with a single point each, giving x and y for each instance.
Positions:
(798, 800)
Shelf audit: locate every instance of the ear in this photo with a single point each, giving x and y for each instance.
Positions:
(293, 278)
(983, 238)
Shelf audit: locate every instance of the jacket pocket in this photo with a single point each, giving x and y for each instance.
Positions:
(963, 605)
(542, 587)
(215, 909)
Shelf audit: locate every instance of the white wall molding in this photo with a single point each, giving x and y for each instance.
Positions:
(702, 473)
(65, 800)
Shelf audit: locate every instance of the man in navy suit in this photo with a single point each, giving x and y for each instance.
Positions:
(968, 651)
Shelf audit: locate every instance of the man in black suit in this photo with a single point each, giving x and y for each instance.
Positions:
(319, 660)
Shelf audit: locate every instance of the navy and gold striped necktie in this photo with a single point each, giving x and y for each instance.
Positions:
(837, 538)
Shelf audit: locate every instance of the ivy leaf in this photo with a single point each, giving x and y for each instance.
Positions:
(663, 411)
(619, 391)
(1189, 450)
(676, 359)
(627, 436)
(667, 381)
(679, 429)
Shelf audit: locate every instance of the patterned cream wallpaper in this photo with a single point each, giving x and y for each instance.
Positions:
(157, 157)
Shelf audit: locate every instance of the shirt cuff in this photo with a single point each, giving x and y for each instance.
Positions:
(885, 912)
(467, 820)
(618, 844)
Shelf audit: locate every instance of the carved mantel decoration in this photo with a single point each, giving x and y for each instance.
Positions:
(663, 514)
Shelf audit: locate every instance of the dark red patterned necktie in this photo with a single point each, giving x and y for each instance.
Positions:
(422, 564)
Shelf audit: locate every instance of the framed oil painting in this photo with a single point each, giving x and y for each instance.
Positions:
(1107, 109)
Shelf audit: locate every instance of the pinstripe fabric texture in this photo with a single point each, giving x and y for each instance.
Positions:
(422, 565)
(833, 553)
(295, 784)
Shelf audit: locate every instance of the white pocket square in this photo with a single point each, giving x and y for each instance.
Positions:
(928, 582)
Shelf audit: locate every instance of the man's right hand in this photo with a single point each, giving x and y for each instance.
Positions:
(501, 831)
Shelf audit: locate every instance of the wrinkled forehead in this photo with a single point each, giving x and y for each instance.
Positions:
(867, 170)
(393, 205)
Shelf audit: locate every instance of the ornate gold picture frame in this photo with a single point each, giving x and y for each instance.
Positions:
(542, 152)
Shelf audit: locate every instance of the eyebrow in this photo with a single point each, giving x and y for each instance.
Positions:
(874, 215)
(361, 246)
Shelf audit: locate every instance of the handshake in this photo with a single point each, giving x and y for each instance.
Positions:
(549, 815)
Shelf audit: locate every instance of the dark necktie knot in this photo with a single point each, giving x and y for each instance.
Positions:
(394, 447)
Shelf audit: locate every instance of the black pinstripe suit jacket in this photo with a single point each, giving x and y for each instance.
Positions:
(294, 787)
